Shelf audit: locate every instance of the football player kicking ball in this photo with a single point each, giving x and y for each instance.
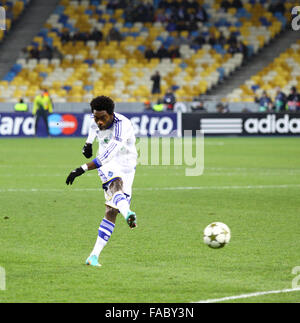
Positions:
(115, 162)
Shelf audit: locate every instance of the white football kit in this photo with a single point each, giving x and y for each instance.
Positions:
(117, 155)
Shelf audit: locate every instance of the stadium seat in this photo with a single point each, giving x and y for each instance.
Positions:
(121, 65)
(283, 72)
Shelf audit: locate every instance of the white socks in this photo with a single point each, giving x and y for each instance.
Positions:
(120, 201)
(105, 231)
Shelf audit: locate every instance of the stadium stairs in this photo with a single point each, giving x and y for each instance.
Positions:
(24, 31)
(264, 57)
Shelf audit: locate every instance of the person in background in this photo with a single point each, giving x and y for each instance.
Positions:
(212, 40)
(201, 14)
(243, 49)
(277, 6)
(198, 106)
(265, 103)
(225, 4)
(42, 107)
(237, 4)
(293, 100)
(169, 100)
(180, 107)
(147, 106)
(162, 52)
(174, 52)
(65, 36)
(34, 52)
(149, 53)
(80, 36)
(46, 52)
(280, 100)
(96, 35)
(114, 35)
(21, 106)
(221, 108)
(155, 78)
(24, 53)
(159, 106)
(233, 49)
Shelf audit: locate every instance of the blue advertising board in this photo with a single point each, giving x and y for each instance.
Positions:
(154, 124)
(77, 124)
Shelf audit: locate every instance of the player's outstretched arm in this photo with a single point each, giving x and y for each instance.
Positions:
(79, 171)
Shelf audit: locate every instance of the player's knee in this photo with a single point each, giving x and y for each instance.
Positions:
(116, 185)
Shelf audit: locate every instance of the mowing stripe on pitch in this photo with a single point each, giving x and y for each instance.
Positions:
(178, 188)
(233, 187)
(230, 298)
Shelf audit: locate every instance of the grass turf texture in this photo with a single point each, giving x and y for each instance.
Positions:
(47, 233)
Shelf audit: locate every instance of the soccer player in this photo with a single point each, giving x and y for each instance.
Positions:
(115, 162)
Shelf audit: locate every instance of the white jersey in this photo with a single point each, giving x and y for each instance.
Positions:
(116, 144)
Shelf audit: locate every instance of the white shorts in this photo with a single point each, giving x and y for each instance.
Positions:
(111, 171)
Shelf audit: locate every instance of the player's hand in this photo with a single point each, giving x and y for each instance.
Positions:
(76, 172)
(87, 150)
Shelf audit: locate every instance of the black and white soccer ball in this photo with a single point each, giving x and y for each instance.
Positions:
(217, 235)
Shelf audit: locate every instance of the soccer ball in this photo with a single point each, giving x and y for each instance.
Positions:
(216, 235)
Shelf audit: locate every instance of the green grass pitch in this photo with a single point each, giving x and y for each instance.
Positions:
(48, 229)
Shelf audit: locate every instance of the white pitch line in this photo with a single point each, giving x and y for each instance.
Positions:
(178, 188)
(229, 298)
(47, 190)
(175, 173)
(233, 187)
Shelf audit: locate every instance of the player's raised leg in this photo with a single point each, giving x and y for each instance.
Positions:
(121, 202)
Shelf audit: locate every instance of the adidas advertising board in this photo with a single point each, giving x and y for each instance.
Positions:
(272, 124)
(240, 124)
